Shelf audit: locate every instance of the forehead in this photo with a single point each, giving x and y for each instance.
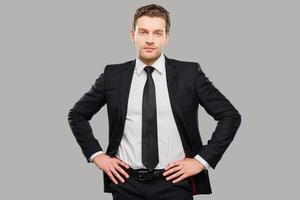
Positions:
(151, 23)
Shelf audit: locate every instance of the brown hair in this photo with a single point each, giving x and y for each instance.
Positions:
(152, 10)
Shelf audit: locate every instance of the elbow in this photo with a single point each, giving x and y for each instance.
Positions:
(237, 118)
(72, 116)
(75, 117)
(232, 117)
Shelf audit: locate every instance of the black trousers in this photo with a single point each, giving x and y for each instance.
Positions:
(158, 189)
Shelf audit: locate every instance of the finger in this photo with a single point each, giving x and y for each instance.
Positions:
(112, 177)
(175, 163)
(121, 170)
(117, 175)
(180, 178)
(166, 167)
(175, 175)
(123, 164)
(171, 170)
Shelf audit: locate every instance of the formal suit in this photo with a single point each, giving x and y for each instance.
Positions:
(169, 141)
(188, 87)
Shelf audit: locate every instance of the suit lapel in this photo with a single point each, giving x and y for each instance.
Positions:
(125, 83)
(172, 81)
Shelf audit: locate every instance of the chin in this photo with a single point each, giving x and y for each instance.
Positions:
(149, 57)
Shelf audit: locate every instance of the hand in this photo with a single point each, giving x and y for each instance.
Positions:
(182, 169)
(111, 166)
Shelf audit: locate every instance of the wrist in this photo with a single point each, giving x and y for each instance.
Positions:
(97, 157)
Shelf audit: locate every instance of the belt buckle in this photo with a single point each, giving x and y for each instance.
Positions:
(144, 175)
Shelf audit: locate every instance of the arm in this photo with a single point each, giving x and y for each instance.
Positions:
(216, 105)
(82, 112)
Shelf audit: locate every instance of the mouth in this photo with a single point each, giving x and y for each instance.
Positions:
(148, 49)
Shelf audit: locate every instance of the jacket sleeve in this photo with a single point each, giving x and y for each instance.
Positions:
(82, 112)
(220, 108)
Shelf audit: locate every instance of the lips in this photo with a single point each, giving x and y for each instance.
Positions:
(149, 48)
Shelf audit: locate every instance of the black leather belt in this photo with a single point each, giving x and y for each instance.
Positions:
(145, 174)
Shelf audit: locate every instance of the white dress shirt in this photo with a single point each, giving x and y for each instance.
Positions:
(169, 143)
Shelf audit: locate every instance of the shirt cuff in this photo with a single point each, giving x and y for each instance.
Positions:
(202, 161)
(95, 154)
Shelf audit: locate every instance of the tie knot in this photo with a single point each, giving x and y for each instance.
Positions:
(149, 69)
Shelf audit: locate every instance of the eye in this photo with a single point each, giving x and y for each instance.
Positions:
(159, 33)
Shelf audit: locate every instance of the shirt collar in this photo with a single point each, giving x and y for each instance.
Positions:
(159, 64)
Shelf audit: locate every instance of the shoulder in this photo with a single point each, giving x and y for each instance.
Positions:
(182, 62)
(185, 65)
(116, 67)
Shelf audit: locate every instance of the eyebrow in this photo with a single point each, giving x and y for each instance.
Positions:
(147, 30)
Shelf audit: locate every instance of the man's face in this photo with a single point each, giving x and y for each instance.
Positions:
(149, 38)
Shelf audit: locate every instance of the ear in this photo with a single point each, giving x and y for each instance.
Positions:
(167, 37)
(132, 36)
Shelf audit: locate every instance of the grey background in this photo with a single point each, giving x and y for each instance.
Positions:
(52, 52)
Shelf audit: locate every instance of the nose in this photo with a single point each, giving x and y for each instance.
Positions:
(149, 39)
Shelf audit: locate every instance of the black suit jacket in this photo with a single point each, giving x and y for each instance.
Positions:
(188, 87)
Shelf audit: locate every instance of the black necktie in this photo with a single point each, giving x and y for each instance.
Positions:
(149, 123)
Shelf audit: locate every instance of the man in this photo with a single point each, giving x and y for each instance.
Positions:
(155, 150)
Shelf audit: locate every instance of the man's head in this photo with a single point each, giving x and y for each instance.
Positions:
(150, 32)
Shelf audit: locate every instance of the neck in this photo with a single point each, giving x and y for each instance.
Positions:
(148, 61)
